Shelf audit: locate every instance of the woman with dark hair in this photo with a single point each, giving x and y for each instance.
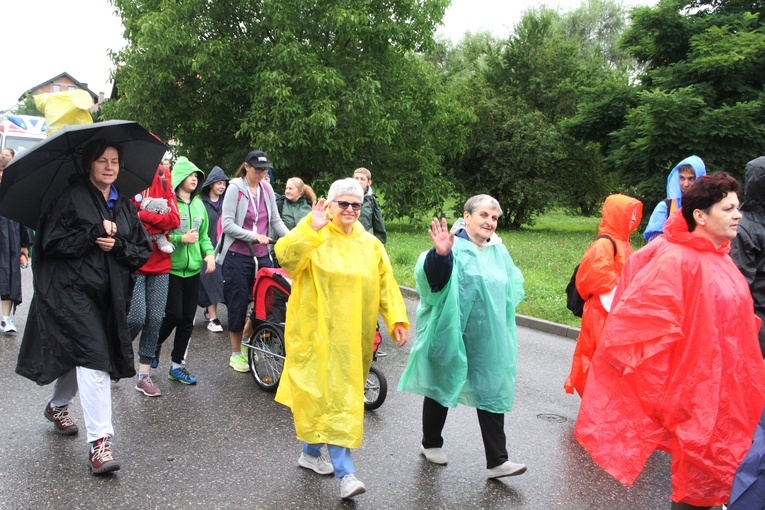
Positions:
(678, 367)
(249, 210)
(89, 240)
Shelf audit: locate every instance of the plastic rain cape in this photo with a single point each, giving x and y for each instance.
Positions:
(678, 368)
(598, 274)
(64, 108)
(340, 282)
(467, 341)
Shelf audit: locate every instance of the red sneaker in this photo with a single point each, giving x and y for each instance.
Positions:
(101, 459)
(61, 419)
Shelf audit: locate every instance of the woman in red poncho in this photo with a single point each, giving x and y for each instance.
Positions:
(597, 277)
(678, 366)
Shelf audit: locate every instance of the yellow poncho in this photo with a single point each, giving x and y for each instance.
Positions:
(340, 284)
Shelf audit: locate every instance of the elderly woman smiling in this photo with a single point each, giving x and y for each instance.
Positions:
(342, 279)
(467, 340)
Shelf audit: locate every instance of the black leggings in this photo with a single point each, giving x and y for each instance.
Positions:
(179, 314)
(492, 431)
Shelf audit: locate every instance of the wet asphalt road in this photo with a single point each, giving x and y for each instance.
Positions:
(226, 444)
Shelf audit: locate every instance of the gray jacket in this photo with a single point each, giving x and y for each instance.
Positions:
(235, 203)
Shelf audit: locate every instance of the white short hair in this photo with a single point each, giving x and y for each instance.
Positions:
(347, 186)
(476, 202)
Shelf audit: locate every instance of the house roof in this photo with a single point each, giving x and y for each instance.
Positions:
(62, 75)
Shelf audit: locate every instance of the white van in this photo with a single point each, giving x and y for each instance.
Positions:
(20, 132)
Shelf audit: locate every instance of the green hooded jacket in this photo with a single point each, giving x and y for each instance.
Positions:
(187, 259)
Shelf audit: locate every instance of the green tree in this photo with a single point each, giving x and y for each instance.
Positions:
(525, 89)
(703, 90)
(511, 156)
(323, 87)
(28, 107)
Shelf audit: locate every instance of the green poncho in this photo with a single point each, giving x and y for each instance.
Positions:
(467, 341)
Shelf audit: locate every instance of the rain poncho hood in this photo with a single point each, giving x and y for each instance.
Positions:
(340, 283)
(748, 247)
(467, 342)
(598, 274)
(678, 368)
(674, 192)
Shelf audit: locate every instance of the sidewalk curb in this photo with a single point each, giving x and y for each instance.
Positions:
(525, 321)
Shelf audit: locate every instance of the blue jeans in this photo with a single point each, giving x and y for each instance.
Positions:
(340, 456)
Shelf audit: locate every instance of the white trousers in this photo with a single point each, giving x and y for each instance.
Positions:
(95, 399)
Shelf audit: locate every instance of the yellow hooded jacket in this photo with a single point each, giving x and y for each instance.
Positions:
(340, 284)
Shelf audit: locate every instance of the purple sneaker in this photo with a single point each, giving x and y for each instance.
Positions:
(146, 386)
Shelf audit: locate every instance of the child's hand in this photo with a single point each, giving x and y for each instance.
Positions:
(190, 237)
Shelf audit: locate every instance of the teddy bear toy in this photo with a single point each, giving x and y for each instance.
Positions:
(158, 206)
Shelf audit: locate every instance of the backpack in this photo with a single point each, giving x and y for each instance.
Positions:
(574, 300)
(671, 204)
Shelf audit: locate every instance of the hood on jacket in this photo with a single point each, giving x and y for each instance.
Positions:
(673, 181)
(216, 175)
(621, 216)
(754, 184)
(182, 169)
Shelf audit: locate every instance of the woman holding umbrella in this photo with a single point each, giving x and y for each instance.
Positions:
(89, 241)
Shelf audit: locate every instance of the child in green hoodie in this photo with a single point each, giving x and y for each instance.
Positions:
(192, 249)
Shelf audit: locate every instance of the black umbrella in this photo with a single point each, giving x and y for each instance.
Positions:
(38, 175)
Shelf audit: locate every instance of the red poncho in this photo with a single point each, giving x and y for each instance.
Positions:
(598, 274)
(678, 368)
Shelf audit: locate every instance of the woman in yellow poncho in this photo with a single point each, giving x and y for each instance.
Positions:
(342, 279)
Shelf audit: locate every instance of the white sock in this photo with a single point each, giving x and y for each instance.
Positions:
(233, 354)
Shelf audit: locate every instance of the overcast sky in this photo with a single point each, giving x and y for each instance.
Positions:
(43, 38)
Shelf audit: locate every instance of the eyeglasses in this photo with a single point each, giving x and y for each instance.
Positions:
(260, 170)
(356, 206)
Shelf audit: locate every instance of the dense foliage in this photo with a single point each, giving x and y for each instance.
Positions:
(323, 87)
(570, 107)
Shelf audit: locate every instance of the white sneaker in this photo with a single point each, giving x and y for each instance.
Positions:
(506, 469)
(351, 486)
(8, 326)
(316, 464)
(214, 325)
(434, 455)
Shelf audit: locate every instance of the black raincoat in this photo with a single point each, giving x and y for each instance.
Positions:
(78, 314)
(748, 247)
(13, 236)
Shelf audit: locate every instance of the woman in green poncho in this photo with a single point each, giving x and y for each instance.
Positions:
(467, 340)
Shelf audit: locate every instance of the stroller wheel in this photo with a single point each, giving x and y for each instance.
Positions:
(375, 389)
(266, 356)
